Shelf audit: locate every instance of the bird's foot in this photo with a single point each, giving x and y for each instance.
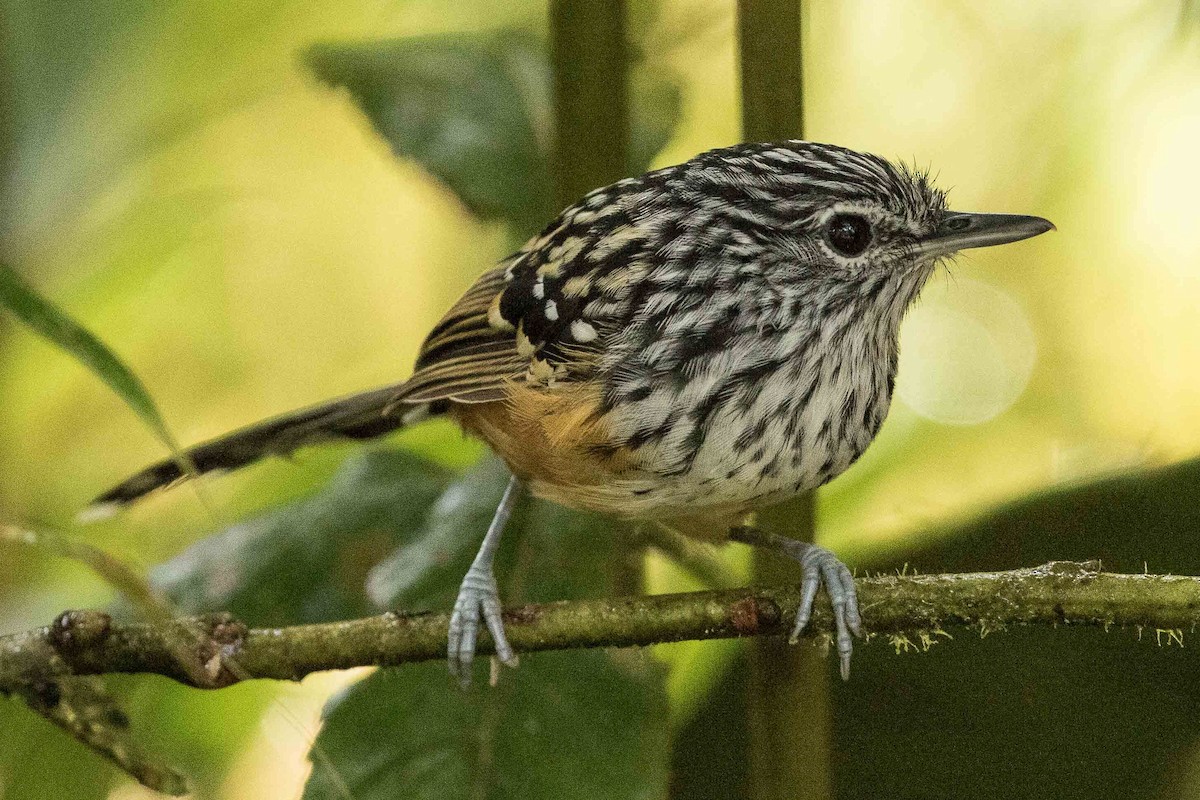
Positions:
(822, 567)
(476, 595)
(819, 566)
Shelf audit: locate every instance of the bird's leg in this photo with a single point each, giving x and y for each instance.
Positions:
(478, 593)
(819, 566)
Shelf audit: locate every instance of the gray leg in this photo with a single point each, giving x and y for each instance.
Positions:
(478, 593)
(819, 566)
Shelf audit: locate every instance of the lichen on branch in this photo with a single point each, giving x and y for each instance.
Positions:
(1059, 593)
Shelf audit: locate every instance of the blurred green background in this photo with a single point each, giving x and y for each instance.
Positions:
(188, 181)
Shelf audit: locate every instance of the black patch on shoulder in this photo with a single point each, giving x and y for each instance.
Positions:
(517, 299)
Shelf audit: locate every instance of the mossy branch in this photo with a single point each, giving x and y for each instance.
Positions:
(1059, 593)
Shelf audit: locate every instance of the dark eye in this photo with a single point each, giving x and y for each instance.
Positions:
(848, 234)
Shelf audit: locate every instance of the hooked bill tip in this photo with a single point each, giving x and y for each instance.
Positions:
(963, 231)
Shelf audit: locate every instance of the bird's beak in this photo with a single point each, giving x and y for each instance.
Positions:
(959, 231)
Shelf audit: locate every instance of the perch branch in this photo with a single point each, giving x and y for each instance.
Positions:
(1059, 593)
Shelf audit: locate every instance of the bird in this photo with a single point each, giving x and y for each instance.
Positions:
(684, 347)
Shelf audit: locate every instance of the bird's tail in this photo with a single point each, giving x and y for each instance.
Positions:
(360, 416)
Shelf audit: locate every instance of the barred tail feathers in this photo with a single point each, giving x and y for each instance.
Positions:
(360, 416)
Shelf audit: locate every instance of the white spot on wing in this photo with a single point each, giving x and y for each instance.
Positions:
(582, 332)
(551, 310)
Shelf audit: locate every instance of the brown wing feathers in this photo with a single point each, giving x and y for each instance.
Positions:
(464, 360)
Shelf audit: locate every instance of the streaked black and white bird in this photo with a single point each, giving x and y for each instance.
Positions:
(685, 346)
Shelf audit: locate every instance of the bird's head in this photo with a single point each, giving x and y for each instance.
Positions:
(819, 213)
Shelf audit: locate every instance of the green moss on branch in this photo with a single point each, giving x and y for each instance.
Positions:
(1060, 593)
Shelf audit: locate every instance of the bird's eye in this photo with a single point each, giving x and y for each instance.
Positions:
(848, 234)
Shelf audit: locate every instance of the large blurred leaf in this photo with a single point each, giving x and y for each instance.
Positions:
(425, 571)
(571, 725)
(474, 110)
(306, 561)
(38, 760)
(471, 109)
(1029, 713)
(53, 324)
(566, 725)
(1045, 713)
(568, 554)
(1129, 521)
(1041, 713)
(199, 733)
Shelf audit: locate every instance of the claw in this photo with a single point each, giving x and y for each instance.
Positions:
(822, 567)
(495, 625)
(477, 596)
(818, 566)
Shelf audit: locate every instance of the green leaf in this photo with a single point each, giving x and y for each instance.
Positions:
(306, 561)
(573, 726)
(571, 553)
(1045, 713)
(475, 111)
(471, 109)
(570, 725)
(425, 570)
(1037, 712)
(200, 733)
(29, 744)
(1129, 521)
(53, 324)
(1084, 713)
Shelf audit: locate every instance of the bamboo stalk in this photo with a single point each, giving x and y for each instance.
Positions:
(789, 702)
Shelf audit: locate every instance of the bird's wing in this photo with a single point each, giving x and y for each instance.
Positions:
(542, 317)
(465, 358)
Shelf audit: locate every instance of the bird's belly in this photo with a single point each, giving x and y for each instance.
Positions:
(677, 451)
(751, 453)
